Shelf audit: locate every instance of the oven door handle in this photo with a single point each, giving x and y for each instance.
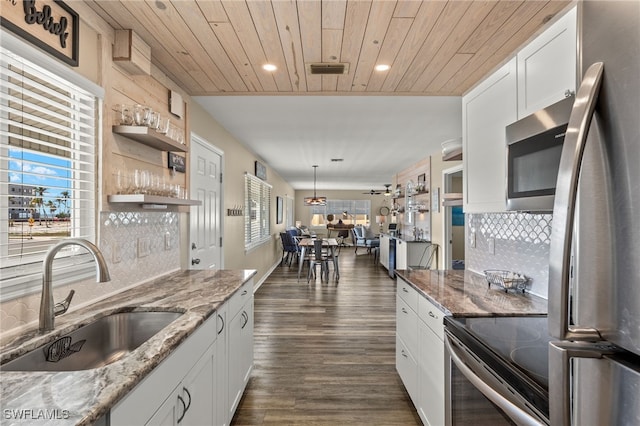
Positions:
(517, 414)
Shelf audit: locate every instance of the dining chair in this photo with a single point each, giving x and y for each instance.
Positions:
(290, 248)
(319, 257)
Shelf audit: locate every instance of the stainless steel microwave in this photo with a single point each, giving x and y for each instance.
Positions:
(534, 147)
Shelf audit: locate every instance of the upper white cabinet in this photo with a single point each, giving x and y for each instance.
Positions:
(538, 76)
(486, 111)
(547, 66)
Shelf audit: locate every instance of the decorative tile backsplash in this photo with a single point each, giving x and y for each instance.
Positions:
(521, 244)
(138, 246)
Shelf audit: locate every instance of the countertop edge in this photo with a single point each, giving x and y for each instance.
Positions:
(144, 359)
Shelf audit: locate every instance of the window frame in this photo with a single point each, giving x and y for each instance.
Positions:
(72, 264)
(258, 194)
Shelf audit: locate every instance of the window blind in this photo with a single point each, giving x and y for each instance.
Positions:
(257, 212)
(47, 164)
(358, 211)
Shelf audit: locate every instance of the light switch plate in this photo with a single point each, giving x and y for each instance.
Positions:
(492, 245)
(167, 241)
(116, 253)
(472, 239)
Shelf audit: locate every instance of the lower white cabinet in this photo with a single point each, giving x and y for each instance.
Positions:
(191, 402)
(222, 367)
(401, 254)
(431, 366)
(384, 251)
(241, 346)
(159, 397)
(202, 381)
(420, 352)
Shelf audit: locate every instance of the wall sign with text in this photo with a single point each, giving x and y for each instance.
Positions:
(50, 25)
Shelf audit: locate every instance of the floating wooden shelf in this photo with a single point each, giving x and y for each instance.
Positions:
(150, 137)
(152, 200)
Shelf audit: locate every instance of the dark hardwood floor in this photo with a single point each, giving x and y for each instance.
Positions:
(325, 352)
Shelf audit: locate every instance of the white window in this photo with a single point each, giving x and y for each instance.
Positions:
(356, 212)
(48, 144)
(257, 222)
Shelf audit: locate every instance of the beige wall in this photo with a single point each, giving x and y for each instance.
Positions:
(237, 161)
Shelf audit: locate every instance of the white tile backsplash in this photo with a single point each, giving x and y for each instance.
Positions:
(521, 242)
(119, 235)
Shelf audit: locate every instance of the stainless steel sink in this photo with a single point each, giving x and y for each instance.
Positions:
(96, 344)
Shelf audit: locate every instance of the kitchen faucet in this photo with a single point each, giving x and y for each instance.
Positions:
(48, 311)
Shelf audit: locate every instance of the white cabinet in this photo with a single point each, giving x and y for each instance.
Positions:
(202, 381)
(241, 346)
(240, 341)
(420, 352)
(407, 337)
(431, 403)
(486, 111)
(190, 403)
(384, 251)
(158, 396)
(401, 254)
(547, 66)
(538, 76)
(222, 367)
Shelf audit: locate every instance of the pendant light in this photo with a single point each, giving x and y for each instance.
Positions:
(315, 200)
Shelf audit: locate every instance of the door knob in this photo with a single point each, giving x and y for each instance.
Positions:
(195, 261)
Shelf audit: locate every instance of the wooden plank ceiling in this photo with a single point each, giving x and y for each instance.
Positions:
(434, 47)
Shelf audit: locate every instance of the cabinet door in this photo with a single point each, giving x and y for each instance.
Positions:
(407, 369)
(401, 254)
(547, 66)
(222, 367)
(169, 412)
(430, 377)
(198, 391)
(384, 251)
(486, 111)
(240, 354)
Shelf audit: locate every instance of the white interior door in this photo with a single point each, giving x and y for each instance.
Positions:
(205, 242)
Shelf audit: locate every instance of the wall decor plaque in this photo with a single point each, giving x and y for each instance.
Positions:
(50, 25)
(261, 171)
(177, 162)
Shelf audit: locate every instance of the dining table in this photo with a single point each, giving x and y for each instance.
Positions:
(330, 243)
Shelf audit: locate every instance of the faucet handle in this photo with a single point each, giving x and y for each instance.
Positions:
(62, 307)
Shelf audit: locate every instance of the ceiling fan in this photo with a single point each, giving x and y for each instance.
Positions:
(386, 192)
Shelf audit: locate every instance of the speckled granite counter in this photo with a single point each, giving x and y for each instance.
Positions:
(466, 294)
(82, 397)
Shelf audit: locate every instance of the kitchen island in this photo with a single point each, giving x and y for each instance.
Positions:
(84, 397)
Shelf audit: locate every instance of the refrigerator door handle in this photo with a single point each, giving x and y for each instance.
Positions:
(564, 209)
(560, 354)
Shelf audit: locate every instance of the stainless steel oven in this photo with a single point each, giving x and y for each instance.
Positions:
(496, 371)
(534, 147)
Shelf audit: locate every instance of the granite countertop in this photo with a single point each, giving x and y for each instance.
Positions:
(466, 294)
(83, 397)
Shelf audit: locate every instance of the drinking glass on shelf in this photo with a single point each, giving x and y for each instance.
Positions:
(163, 125)
(154, 119)
(121, 181)
(138, 114)
(124, 114)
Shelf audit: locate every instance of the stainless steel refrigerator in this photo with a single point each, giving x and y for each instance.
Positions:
(594, 275)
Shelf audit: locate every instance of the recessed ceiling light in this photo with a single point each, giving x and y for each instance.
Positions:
(269, 67)
(382, 67)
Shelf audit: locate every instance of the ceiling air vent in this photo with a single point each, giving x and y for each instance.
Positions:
(328, 68)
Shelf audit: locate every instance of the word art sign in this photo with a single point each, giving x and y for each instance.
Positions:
(50, 25)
